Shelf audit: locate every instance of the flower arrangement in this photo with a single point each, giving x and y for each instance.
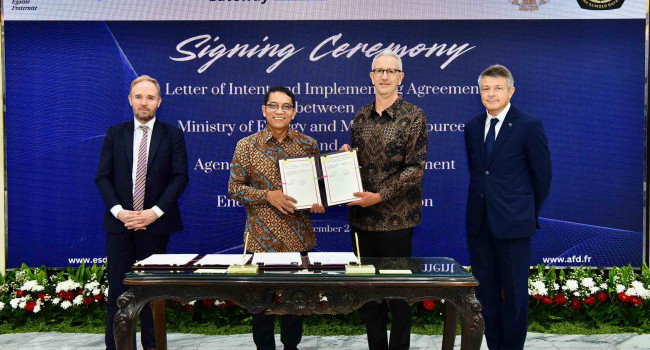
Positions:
(619, 297)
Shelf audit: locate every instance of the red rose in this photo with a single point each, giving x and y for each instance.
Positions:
(88, 300)
(30, 306)
(590, 301)
(537, 297)
(80, 292)
(601, 296)
(20, 293)
(560, 299)
(624, 297)
(547, 301)
(428, 305)
(575, 303)
(69, 295)
(99, 297)
(42, 296)
(61, 294)
(636, 301)
(232, 303)
(208, 302)
(189, 307)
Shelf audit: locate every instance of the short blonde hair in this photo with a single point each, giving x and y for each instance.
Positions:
(144, 78)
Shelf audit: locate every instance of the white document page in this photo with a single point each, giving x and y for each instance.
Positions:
(341, 176)
(300, 181)
(167, 260)
(222, 259)
(278, 259)
(332, 258)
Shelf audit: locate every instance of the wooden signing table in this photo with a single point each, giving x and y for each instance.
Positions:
(314, 292)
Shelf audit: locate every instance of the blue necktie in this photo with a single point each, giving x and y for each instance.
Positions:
(489, 139)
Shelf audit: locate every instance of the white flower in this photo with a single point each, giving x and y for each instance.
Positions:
(67, 286)
(192, 302)
(37, 308)
(620, 288)
(571, 285)
(14, 303)
(556, 287)
(23, 303)
(637, 285)
(106, 292)
(91, 285)
(96, 291)
(32, 286)
(323, 298)
(539, 288)
(588, 282)
(56, 301)
(593, 289)
(577, 294)
(78, 300)
(65, 304)
(2, 305)
(603, 286)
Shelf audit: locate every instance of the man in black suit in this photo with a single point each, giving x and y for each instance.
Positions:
(510, 176)
(142, 171)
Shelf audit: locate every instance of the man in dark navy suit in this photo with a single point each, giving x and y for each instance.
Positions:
(142, 171)
(510, 176)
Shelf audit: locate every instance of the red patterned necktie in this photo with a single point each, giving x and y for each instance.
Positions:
(141, 173)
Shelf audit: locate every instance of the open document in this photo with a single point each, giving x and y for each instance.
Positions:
(222, 259)
(167, 260)
(332, 258)
(337, 171)
(341, 176)
(300, 181)
(277, 259)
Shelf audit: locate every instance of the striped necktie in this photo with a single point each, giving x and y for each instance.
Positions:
(141, 173)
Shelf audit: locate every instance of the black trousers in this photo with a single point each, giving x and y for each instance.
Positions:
(290, 329)
(501, 265)
(263, 331)
(122, 251)
(397, 243)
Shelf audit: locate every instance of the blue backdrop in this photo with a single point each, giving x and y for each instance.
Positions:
(67, 82)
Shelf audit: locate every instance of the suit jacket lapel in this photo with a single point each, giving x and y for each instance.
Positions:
(156, 136)
(127, 134)
(509, 123)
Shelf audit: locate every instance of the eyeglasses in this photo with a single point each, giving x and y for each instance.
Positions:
(274, 107)
(390, 72)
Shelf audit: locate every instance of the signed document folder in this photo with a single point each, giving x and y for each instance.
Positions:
(329, 179)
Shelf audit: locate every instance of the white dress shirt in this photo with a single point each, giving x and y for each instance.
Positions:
(137, 138)
(501, 116)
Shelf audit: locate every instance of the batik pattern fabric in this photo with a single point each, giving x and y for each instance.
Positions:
(253, 172)
(392, 152)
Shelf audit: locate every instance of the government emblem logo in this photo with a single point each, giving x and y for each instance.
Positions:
(600, 4)
(529, 5)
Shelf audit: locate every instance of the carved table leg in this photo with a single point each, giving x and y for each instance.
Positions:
(126, 320)
(450, 326)
(158, 307)
(472, 323)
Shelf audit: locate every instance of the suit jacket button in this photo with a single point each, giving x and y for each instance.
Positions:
(487, 172)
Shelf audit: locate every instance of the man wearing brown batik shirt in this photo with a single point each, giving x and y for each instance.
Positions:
(272, 220)
(391, 138)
